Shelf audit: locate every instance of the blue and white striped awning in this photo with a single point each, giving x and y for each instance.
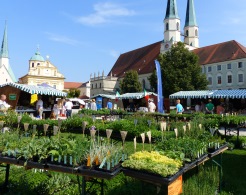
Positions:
(138, 95)
(33, 89)
(193, 94)
(234, 94)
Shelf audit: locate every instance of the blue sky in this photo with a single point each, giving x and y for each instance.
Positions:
(86, 36)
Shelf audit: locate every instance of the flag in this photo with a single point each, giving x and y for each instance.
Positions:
(146, 95)
(117, 95)
(159, 87)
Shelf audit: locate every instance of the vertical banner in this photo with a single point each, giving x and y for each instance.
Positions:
(159, 87)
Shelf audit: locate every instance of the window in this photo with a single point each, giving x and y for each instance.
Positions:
(240, 64)
(32, 64)
(167, 26)
(196, 32)
(143, 84)
(54, 86)
(177, 26)
(218, 67)
(96, 85)
(240, 78)
(38, 64)
(229, 79)
(100, 85)
(92, 86)
(210, 82)
(209, 69)
(187, 33)
(219, 80)
(228, 66)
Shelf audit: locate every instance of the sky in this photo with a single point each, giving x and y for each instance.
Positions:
(83, 37)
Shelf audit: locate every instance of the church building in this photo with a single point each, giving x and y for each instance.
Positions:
(6, 73)
(223, 63)
(43, 72)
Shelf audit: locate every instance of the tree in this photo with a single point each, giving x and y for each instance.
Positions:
(180, 71)
(130, 83)
(73, 93)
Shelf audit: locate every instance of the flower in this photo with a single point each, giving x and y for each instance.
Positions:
(93, 128)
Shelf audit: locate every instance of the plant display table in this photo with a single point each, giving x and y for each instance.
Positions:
(167, 181)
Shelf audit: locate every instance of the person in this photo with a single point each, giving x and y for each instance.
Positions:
(151, 106)
(52, 115)
(179, 107)
(3, 105)
(109, 105)
(68, 106)
(56, 111)
(93, 105)
(202, 107)
(39, 107)
(220, 109)
(197, 107)
(209, 107)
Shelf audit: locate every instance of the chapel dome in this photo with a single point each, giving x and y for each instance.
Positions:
(37, 57)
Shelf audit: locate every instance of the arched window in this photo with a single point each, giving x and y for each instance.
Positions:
(32, 64)
(187, 33)
(167, 26)
(91, 86)
(196, 32)
(96, 85)
(177, 25)
(143, 83)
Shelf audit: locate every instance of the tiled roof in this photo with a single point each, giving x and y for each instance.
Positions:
(72, 85)
(141, 60)
(221, 52)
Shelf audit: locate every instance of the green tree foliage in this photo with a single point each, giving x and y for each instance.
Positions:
(180, 71)
(130, 83)
(72, 93)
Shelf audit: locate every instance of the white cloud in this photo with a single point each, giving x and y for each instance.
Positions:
(61, 39)
(104, 13)
(114, 53)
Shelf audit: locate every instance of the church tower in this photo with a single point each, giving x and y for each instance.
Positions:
(6, 73)
(4, 55)
(171, 26)
(191, 29)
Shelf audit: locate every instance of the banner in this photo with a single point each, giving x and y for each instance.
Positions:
(159, 87)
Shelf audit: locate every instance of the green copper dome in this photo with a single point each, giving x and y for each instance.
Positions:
(37, 57)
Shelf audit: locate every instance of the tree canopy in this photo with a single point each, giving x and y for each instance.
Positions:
(72, 93)
(180, 71)
(130, 83)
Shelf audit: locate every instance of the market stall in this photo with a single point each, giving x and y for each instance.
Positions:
(234, 100)
(22, 97)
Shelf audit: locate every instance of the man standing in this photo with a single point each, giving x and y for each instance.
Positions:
(179, 107)
(68, 106)
(3, 105)
(93, 105)
(209, 107)
(151, 106)
(109, 105)
(39, 107)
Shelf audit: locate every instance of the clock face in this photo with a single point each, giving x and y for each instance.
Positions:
(167, 45)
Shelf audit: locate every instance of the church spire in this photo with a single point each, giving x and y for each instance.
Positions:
(171, 26)
(190, 19)
(191, 37)
(171, 11)
(4, 49)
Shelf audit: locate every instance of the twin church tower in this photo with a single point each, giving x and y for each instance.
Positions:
(172, 32)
